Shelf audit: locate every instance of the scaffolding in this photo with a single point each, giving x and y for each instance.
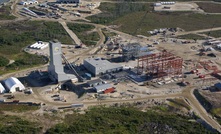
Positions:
(161, 64)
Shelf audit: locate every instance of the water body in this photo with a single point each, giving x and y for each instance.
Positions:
(3, 1)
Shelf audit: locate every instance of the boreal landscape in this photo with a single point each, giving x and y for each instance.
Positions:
(113, 66)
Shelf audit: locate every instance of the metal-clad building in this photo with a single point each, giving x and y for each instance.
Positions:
(99, 66)
(217, 86)
(68, 1)
(13, 84)
(55, 68)
(103, 87)
(95, 82)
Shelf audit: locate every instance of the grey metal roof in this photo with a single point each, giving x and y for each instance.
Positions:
(102, 87)
(218, 85)
(98, 62)
(10, 82)
(94, 81)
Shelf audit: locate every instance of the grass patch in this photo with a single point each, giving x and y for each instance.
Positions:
(84, 33)
(160, 108)
(23, 61)
(152, 0)
(203, 101)
(15, 36)
(191, 37)
(126, 120)
(178, 103)
(216, 112)
(5, 13)
(17, 108)
(108, 33)
(16, 125)
(128, 18)
(3, 61)
(209, 7)
(81, 20)
(113, 11)
(187, 21)
(215, 34)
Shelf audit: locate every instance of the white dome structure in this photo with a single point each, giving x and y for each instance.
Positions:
(23, 3)
(2, 89)
(13, 85)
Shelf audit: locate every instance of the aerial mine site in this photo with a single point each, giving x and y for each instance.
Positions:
(115, 66)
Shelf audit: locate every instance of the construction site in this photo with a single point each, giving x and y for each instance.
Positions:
(119, 68)
(160, 64)
(145, 65)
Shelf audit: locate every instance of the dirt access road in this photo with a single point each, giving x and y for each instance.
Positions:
(70, 32)
(198, 31)
(197, 107)
(187, 93)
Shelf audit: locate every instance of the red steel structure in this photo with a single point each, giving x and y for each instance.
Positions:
(160, 64)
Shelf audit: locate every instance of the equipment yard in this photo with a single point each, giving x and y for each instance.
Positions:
(181, 6)
(104, 66)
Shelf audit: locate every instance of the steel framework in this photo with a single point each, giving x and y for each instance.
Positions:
(160, 64)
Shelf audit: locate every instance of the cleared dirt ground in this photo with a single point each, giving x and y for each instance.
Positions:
(181, 6)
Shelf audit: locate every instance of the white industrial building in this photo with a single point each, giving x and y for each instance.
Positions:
(168, 3)
(28, 2)
(68, 1)
(157, 4)
(39, 45)
(2, 89)
(98, 66)
(12, 84)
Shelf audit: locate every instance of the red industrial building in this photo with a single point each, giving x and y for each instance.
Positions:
(109, 90)
(160, 64)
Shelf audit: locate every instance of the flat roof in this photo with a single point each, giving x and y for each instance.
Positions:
(103, 86)
(218, 85)
(99, 62)
(94, 81)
